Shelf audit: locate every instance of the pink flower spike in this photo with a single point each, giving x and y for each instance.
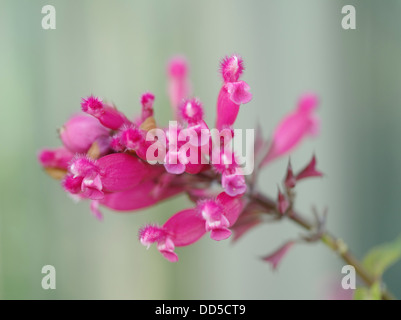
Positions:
(178, 83)
(231, 68)
(239, 92)
(147, 101)
(233, 183)
(191, 111)
(81, 131)
(290, 180)
(282, 203)
(107, 115)
(275, 258)
(292, 129)
(309, 171)
(55, 158)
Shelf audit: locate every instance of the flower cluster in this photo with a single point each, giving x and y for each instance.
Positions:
(129, 164)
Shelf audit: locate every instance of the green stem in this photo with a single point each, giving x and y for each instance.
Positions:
(332, 242)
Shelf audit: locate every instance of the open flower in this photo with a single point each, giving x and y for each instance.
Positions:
(182, 229)
(294, 127)
(233, 93)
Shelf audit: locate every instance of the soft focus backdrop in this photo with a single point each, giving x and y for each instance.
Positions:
(118, 50)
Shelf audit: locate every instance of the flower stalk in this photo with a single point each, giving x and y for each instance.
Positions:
(337, 245)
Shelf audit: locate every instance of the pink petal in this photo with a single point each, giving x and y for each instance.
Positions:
(150, 234)
(275, 258)
(231, 68)
(55, 158)
(123, 171)
(112, 118)
(314, 125)
(288, 135)
(308, 103)
(220, 234)
(293, 128)
(177, 168)
(81, 131)
(185, 227)
(227, 110)
(105, 113)
(93, 194)
(178, 82)
(191, 110)
(147, 101)
(94, 207)
(232, 206)
(170, 256)
(234, 184)
(140, 196)
(239, 92)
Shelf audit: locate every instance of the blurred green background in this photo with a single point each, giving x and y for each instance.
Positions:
(118, 50)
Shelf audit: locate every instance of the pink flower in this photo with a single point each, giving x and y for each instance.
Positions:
(80, 132)
(105, 113)
(133, 139)
(178, 83)
(234, 183)
(111, 173)
(294, 127)
(220, 214)
(55, 158)
(233, 92)
(182, 229)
